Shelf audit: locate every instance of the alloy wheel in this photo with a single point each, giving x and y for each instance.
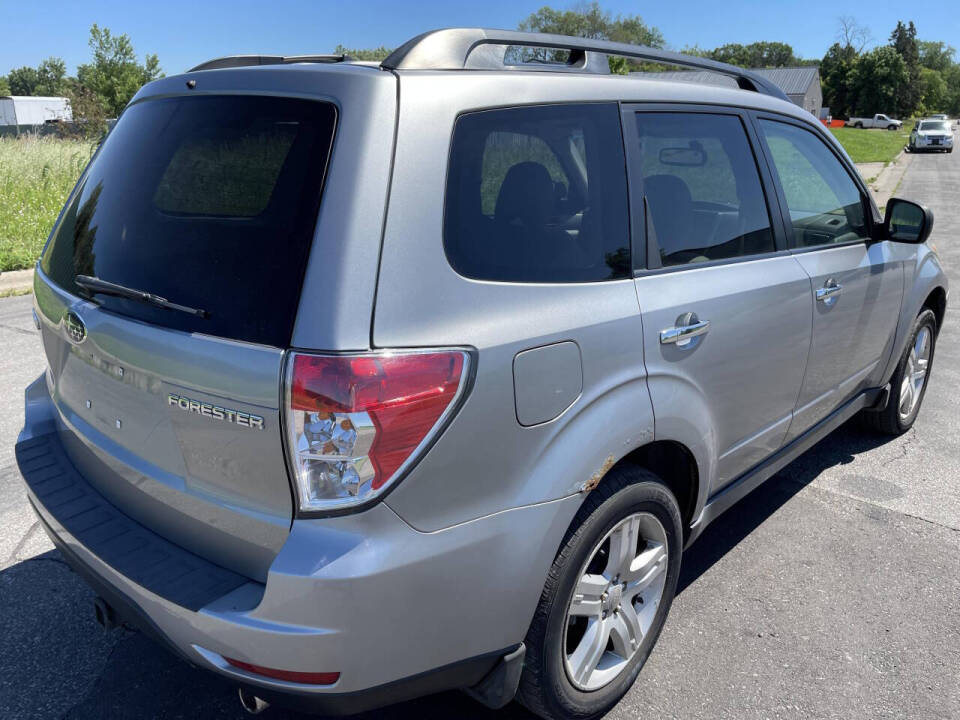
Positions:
(915, 374)
(615, 601)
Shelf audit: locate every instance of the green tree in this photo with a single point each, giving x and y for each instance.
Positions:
(376, 54)
(951, 100)
(835, 70)
(114, 75)
(51, 77)
(89, 113)
(933, 92)
(23, 80)
(878, 80)
(48, 78)
(4, 85)
(593, 22)
(756, 55)
(935, 55)
(903, 40)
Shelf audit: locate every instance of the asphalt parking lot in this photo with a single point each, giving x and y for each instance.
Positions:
(831, 592)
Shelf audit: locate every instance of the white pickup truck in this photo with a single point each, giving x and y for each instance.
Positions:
(877, 121)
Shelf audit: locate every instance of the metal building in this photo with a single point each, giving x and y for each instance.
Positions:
(31, 111)
(801, 84)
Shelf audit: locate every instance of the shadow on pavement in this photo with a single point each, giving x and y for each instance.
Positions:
(56, 662)
(838, 448)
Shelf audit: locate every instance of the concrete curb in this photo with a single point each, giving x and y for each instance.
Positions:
(13, 282)
(888, 179)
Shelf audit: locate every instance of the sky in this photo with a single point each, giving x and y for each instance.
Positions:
(184, 33)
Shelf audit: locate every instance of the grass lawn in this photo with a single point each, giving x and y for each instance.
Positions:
(36, 175)
(872, 145)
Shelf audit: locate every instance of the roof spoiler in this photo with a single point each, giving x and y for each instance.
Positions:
(234, 61)
(484, 49)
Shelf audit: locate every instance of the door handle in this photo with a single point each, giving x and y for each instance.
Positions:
(829, 293)
(683, 334)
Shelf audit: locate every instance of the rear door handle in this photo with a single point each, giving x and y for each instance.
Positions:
(683, 334)
(829, 292)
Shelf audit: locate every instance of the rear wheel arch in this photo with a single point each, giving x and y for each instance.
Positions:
(676, 467)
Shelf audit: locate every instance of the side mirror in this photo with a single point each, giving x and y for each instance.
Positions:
(906, 221)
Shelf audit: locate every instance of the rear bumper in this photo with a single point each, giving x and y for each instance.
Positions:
(398, 613)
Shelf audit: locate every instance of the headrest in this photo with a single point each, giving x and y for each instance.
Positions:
(526, 195)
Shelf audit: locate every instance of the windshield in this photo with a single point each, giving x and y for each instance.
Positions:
(934, 126)
(207, 201)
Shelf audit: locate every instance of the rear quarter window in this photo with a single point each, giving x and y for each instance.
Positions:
(538, 194)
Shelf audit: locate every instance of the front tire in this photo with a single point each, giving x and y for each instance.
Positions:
(606, 598)
(909, 382)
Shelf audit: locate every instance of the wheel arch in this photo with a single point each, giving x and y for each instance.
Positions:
(925, 287)
(936, 301)
(674, 464)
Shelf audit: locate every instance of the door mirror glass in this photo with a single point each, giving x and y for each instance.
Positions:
(907, 221)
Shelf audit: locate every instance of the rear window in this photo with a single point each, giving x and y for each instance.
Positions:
(210, 202)
(538, 194)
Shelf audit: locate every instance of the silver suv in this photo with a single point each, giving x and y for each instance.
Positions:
(367, 382)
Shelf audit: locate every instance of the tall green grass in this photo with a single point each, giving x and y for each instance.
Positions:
(36, 175)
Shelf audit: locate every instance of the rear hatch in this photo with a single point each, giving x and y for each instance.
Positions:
(173, 414)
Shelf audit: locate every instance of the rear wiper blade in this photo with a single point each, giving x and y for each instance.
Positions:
(96, 285)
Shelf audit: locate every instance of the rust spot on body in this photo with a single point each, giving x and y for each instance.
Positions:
(598, 475)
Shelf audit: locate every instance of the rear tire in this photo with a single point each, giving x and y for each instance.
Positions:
(858, 125)
(907, 387)
(559, 681)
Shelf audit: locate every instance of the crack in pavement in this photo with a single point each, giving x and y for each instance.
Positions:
(18, 330)
(40, 558)
(23, 541)
(909, 438)
(860, 501)
(94, 681)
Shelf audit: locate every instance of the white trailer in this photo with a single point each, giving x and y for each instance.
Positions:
(23, 110)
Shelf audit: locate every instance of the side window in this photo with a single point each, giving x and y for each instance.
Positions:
(538, 194)
(824, 202)
(702, 188)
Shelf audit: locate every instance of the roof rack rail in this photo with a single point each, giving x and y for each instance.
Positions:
(234, 61)
(484, 49)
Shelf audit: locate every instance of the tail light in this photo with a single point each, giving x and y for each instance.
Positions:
(356, 422)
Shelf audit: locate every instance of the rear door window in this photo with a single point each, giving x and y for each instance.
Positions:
(538, 194)
(210, 202)
(702, 188)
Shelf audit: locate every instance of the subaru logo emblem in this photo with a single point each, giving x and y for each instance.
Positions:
(76, 330)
